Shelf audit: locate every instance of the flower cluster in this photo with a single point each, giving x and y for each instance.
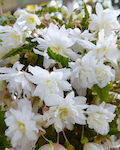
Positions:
(60, 76)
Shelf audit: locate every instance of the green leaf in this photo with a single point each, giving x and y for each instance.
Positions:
(3, 126)
(85, 20)
(13, 52)
(4, 143)
(58, 58)
(47, 10)
(3, 139)
(114, 132)
(114, 128)
(103, 93)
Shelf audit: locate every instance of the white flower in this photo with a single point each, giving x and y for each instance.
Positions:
(104, 19)
(83, 75)
(22, 125)
(88, 72)
(18, 12)
(104, 74)
(17, 80)
(82, 39)
(106, 47)
(48, 83)
(10, 38)
(26, 21)
(93, 146)
(58, 40)
(64, 113)
(100, 116)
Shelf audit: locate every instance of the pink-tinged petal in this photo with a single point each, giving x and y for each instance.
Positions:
(56, 147)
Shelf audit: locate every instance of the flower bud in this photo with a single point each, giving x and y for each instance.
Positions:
(64, 11)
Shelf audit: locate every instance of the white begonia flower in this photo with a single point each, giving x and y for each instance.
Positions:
(93, 146)
(65, 112)
(100, 116)
(83, 39)
(104, 19)
(106, 47)
(22, 125)
(26, 21)
(88, 72)
(17, 80)
(58, 40)
(10, 38)
(18, 12)
(104, 74)
(48, 83)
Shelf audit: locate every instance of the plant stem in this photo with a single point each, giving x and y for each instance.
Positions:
(108, 145)
(64, 136)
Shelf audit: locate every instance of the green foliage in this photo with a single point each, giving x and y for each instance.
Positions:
(3, 139)
(103, 93)
(69, 146)
(28, 47)
(7, 19)
(47, 10)
(4, 143)
(2, 123)
(58, 20)
(113, 128)
(85, 20)
(118, 42)
(58, 58)
(50, 134)
(84, 140)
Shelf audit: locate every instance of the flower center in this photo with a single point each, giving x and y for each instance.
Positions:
(21, 127)
(63, 112)
(56, 49)
(32, 19)
(105, 48)
(15, 36)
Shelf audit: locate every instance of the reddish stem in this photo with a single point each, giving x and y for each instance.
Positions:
(108, 145)
(1, 11)
(58, 137)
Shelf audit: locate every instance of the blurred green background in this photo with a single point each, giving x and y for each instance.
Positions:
(13, 4)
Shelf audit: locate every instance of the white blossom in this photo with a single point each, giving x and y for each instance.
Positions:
(48, 82)
(93, 146)
(104, 19)
(88, 72)
(58, 40)
(26, 21)
(10, 38)
(22, 125)
(106, 47)
(64, 113)
(83, 39)
(17, 80)
(100, 116)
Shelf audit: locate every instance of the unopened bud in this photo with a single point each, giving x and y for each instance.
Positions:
(64, 11)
